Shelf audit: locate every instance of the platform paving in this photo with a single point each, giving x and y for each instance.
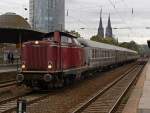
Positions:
(144, 104)
(8, 68)
(139, 101)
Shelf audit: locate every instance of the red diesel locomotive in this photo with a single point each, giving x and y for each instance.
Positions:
(56, 60)
(60, 58)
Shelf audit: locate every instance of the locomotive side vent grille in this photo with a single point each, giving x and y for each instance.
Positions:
(38, 57)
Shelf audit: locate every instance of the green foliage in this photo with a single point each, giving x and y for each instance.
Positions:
(130, 45)
(144, 50)
(74, 33)
(108, 40)
(111, 40)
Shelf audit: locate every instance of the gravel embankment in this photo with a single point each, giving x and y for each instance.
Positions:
(7, 76)
(68, 98)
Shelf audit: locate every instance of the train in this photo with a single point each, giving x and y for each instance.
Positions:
(61, 58)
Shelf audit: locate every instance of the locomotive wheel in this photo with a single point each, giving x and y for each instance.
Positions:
(66, 81)
(60, 83)
(57, 84)
(50, 85)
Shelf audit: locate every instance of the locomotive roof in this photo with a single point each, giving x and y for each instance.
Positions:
(62, 33)
(94, 44)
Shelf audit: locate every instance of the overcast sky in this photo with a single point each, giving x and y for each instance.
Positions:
(85, 14)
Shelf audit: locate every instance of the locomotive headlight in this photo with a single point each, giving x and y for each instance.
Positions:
(23, 66)
(50, 66)
(36, 42)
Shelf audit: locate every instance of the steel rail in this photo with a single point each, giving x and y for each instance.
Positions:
(125, 91)
(11, 105)
(8, 83)
(101, 92)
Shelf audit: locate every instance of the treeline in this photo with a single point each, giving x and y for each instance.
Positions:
(74, 33)
(113, 41)
(141, 49)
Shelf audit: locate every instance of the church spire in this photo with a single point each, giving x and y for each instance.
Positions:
(101, 29)
(109, 28)
(109, 22)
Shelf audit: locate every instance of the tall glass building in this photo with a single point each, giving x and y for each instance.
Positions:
(47, 15)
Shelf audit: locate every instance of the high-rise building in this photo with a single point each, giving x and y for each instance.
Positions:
(47, 15)
(100, 28)
(109, 28)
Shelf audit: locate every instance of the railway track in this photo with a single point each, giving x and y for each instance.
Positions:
(8, 83)
(10, 105)
(108, 99)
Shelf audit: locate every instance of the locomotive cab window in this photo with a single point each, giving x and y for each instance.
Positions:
(69, 40)
(51, 38)
(64, 39)
(76, 42)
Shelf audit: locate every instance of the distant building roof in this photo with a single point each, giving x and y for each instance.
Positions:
(14, 28)
(12, 20)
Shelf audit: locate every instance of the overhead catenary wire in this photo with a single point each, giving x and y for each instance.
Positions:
(130, 28)
(87, 8)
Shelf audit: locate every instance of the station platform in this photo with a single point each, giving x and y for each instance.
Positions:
(139, 101)
(8, 68)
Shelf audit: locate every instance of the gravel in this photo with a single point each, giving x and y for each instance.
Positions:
(70, 97)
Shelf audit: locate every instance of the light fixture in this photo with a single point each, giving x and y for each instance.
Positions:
(49, 66)
(23, 66)
(36, 42)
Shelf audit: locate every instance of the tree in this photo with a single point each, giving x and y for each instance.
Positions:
(113, 41)
(108, 40)
(74, 33)
(130, 45)
(97, 38)
(144, 50)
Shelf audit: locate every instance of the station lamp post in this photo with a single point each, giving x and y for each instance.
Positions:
(26, 9)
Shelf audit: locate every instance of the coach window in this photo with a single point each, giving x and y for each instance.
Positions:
(64, 39)
(106, 53)
(69, 40)
(76, 42)
(93, 53)
(101, 53)
(96, 53)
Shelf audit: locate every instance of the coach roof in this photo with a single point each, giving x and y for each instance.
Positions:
(95, 44)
